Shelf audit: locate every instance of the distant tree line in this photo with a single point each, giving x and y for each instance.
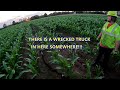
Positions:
(58, 13)
(51, 14)
(67, 12)
(37, 16)
(13, 23)
(90, 12)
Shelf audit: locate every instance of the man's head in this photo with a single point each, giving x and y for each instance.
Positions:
(112, 16)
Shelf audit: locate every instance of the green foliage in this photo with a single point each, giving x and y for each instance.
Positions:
(82, 25)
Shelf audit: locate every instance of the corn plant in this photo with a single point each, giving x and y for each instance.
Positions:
(64, 64)
(32, 64)
(99, 72)
(88, 69)
(89, 50)
(10, 65)
(117, 58)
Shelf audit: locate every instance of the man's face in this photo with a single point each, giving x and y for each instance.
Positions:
(109, 18)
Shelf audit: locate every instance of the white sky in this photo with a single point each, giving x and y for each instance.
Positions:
(6, 15)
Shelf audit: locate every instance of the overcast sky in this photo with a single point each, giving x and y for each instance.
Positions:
(6, 15)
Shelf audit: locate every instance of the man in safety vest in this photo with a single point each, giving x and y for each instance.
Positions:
(109, 40)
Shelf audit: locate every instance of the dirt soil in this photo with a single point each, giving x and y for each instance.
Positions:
(46, 71)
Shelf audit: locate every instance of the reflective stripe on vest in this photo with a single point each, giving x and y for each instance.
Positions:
(111, 33)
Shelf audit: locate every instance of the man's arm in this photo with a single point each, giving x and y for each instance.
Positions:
(99, 36)
(117, 44)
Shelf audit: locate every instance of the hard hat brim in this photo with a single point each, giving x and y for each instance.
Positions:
(112, 15)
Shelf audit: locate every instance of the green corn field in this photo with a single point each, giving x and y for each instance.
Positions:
(19, 61)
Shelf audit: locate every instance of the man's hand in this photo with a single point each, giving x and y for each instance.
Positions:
(117, 44)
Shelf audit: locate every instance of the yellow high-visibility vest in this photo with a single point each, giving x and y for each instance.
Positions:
(110, 35)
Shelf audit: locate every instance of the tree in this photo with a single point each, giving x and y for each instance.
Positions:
(4, 25)
(34, 17)
(13, 22)
(45, 15)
